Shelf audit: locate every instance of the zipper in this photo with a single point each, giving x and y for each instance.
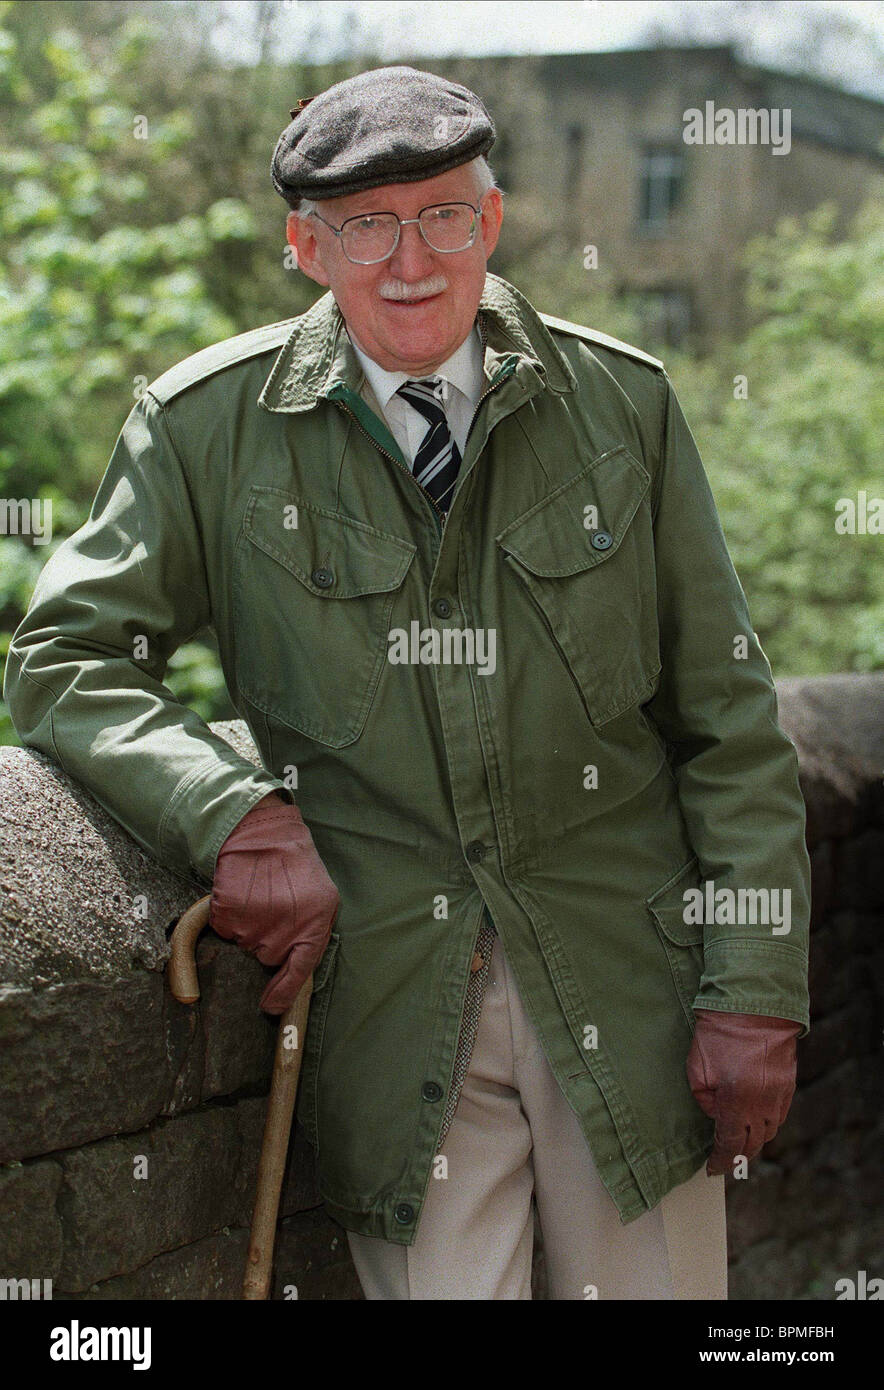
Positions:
(439, 515)
(506, 371)
(497, 381)
(493, 385)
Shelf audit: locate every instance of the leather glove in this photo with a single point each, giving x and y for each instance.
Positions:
(741, 1070)
(272, 895)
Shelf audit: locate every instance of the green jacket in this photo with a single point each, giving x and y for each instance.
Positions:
(624, 747)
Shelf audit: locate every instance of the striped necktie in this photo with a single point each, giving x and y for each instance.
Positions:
(438, 459)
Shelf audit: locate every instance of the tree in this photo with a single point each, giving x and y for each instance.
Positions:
(802, 433)
(96, 295)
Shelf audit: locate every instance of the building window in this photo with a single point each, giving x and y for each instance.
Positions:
(662, 173)
(666, 315)
(573, 158)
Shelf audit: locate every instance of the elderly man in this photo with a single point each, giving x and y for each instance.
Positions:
(473, 599)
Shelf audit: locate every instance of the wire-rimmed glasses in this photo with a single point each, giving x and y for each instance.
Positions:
(374, 236)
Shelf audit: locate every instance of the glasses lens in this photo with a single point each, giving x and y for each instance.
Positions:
(369, 238)
(449, 226)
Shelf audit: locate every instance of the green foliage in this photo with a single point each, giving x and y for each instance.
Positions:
(808, 433)
(194, 676)
(554, 279)
(138, 224)
(93, 293)
(97, 293)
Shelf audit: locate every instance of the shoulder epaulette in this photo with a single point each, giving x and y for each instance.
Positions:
(208, 361)
(591, 335)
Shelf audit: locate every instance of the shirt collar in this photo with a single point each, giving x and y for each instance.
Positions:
(317, 359)
(463, 369)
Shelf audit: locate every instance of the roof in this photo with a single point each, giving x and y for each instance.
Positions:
(822, 112)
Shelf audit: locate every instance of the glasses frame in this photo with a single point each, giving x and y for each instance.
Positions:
(404, 222)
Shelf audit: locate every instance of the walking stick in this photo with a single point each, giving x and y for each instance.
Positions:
(280, 1105)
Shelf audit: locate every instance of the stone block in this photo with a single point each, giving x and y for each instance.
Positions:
(312, 1256)
(240, 1038)
(759, 1273)
(837, 1037)
(826, 958)
(777, 1269)
(819, 1109)
(209, 1269)
(858, 869)
(299, 1190)
(80, 1061)
(30, 1231)
(822, 881)
(848, 975)
(752, 1206)
(113, 1222)
(811, 1200)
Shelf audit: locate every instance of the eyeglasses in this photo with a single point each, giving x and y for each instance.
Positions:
(374, 236)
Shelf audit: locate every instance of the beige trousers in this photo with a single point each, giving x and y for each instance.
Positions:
(515, 1142)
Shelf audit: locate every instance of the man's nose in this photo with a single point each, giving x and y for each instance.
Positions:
(413, 258)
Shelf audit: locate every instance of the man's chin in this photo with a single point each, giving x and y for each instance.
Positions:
(418, 339)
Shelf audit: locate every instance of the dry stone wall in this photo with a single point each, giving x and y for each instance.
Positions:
(103, 1075)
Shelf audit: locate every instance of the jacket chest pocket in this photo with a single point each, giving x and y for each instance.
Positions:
(313, 592)
(585, 556)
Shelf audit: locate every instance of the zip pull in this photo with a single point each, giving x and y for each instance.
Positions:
(499, 377)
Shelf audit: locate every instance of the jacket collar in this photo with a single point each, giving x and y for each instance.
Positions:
(318, 354)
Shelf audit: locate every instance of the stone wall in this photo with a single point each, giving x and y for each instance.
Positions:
(130, 1125)
(812, 1211)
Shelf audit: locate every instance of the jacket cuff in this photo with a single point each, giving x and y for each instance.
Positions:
(199, 817)
(756, 977)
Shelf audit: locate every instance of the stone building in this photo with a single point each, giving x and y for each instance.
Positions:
(592, 145)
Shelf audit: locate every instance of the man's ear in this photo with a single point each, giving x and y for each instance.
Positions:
(300, 235)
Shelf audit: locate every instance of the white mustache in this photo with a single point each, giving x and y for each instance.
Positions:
(397, 289)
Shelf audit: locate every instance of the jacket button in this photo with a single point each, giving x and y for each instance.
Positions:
(431, 1090)
(601, 540)
(476, 851)
(442, 608)
(323, 579)
(404, 1213)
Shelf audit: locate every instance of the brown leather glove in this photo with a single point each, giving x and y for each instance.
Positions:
(741, 1070)
(272, 895)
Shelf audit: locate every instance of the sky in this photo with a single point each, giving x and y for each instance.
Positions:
(397, 29)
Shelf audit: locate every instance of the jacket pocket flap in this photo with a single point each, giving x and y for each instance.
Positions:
(332, 555)
(668, 906)
(552, 538)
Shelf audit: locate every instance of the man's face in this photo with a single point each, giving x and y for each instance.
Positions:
(412, 311)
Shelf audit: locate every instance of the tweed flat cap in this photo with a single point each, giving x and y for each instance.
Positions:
(389, 125)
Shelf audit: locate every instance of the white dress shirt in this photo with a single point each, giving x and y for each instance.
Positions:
(463, 370)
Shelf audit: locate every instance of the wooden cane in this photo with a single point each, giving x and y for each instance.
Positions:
(184, 985)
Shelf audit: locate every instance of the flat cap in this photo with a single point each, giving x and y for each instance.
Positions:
(388, 125)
